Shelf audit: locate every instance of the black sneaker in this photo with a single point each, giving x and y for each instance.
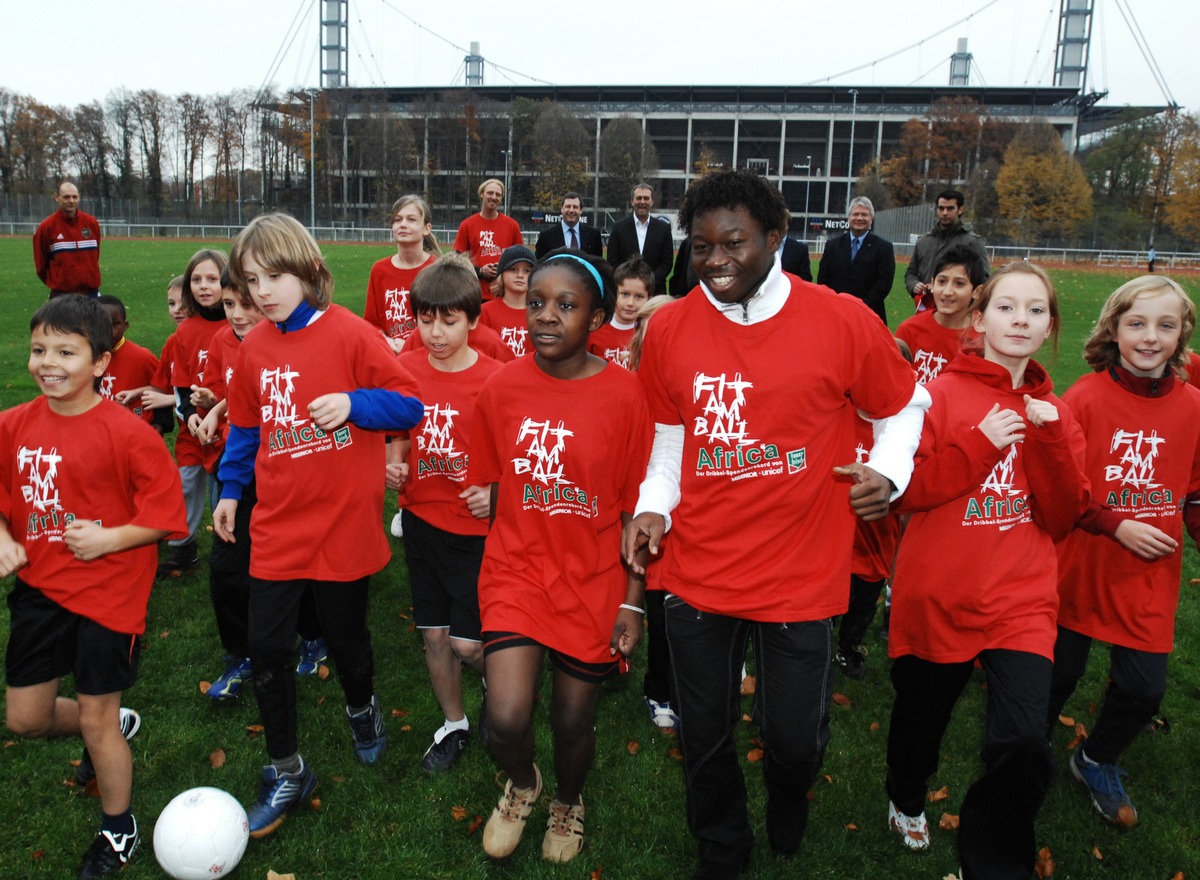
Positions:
(108, 854)
(442, 754)
(131, 723)
(853, 662)
(370, 736)
(179, 559)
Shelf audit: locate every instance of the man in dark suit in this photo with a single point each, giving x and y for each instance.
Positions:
(859, 262)
(640, 234)
(569, 232)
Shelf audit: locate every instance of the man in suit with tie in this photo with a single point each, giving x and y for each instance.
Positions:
(642, 235)
(859, 262)
(569, 232)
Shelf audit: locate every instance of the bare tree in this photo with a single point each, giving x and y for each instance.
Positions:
(561, 146)
(627, 157)
(151, 112)
(91, 149)
(193, 125)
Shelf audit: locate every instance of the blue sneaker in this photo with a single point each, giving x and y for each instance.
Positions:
(1103, 781)
(312, 656)
(278, 793)
(237, 672)
(370, 736)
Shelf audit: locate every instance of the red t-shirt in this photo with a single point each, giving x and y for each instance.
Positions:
(485, 240)
(612, 344)
(509, 323)
(388, 306)
(976, 567)
(190, 364)
(1193, 370)
(105, 465)
(932, 345)
(439, 455)
(569, 457)
(320, 494)
(764, 529)
(875, 542)
(131, 366)
(1143, 460)
(483, 339)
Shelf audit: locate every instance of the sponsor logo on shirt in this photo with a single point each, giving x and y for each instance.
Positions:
(47, 518)
(730, 450)
(619, 356)
(291, 434)
(1134, 455)
(436, 452)
(927, 364)
(400, 321)
(547, 487)
(514, 338)
(998, 503)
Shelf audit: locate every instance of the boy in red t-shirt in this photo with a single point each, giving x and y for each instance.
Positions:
(445, 517)
(935, 335)
(635, 286)
(132, 367)
(83, 540)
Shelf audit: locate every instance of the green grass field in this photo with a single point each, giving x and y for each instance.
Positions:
(393, 821)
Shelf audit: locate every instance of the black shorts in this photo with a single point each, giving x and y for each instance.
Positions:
(592, 673)
(443, 571)
(46, 641)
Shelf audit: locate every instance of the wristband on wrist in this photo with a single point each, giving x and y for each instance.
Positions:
(629, 607)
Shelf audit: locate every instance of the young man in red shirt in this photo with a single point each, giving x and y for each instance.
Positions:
(750, 465)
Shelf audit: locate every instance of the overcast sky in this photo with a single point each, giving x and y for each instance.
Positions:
(74, 51)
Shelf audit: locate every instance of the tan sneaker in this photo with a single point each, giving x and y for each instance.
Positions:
(507, 822)
(564, 832)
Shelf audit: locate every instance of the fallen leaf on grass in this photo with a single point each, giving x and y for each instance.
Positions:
(754, 755)
(874, 726)
(91, 789)
(1178, 875)
(337, 778)
(474, 826)
(321, 701)
(205, 687)
(597, 874)
(399, 713)
(271, 875)
(216, 759)
(8, 744)
(748, 718)
(633, 746)
(1193, 582)
(841, 699)
(1045, 865)
(850, 826)
(1066, 720)
(406, 727)
(253, 730)
(941, 794)
(164, 633)
(315, 803)
(675, 754)
(1099, 856)
(459, 813)
(748, 685)
(829, 779)
(402, 615)
(412, 626)
(323, 672)
(948, 822)
(39, 854)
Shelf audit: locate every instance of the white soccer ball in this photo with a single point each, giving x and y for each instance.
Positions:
(201, 834)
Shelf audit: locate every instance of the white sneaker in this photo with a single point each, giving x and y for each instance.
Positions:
(913, 830)
(398, 525)
(662, 715)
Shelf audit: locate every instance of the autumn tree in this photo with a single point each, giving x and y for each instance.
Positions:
(903, 173)
(560, 149)
(91, 149)
(151, 112)
(627, 157)
(1042, 192)
(1183, 205)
